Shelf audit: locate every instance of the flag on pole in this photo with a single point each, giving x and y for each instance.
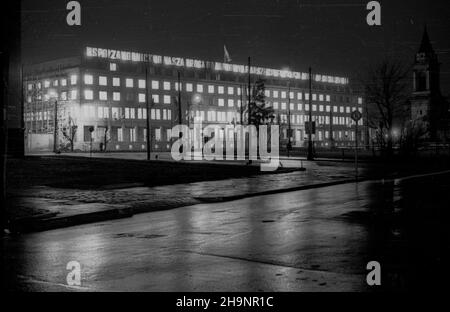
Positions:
(226, 55)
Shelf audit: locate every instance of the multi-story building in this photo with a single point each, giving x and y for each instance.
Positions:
(101, 97)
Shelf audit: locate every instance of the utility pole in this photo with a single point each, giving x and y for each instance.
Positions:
(242, 105)
(249, 92)
(356, 149)
(180, 135)
(331, 128)
(179, 99)
(148, 113)
(310, 147)
(288, 146)
(55, 129)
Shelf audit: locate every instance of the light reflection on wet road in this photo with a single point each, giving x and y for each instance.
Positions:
(310, 240)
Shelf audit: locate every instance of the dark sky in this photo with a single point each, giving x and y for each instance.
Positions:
(330, 35)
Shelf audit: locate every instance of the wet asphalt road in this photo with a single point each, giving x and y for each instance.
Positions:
(311, 240)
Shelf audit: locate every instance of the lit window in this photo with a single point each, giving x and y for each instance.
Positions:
(105, 112)
(360, 100)
(155, 85)
(166, 85)
(283, 94)
(88, 79)
(120, 134)
(275, 94)
(314, 107)
(129, 82)
(39, 85)
(320, 108)
(88, 95)
(348, 110)
(335, 109)
(341, 109)
(141, 84)
(220, 90)
(200, 88)
(189, 87)
(230, 102)
(283, 105)
(116, 82)
(141, 98)
(46, 84)
(55, 83)
(103, 95)
(30, 87)
(155, 98)
(158, 133)
(266, 93)
(100, 112)
(321, 97)
(328, 98)
(299, 107)
(221, 102)
(132, 113)
(116, 96)
(73, 94)
(328, 108)
(64, 96)
(307, 96)
(166, 99)
(63, 82)
(291, 106)
(102, 81)
(132, 134)
(299, 96)
(314, 97)
(275, 105)
(127, 113)
(210, 89)
(112, 66)
(230, 90)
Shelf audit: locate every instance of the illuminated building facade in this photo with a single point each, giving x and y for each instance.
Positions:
(103, 94)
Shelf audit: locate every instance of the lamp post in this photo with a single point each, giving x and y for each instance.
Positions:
(52, 95)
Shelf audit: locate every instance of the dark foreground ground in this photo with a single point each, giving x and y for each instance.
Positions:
(310, 240)
(88, 173)
(85, 173)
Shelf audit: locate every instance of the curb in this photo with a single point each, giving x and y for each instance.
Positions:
(39, 224)
(207, 199)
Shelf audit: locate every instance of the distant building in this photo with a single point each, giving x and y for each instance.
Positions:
(429, 109)
(103, 92)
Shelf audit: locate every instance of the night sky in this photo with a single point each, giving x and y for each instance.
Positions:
(330, 35)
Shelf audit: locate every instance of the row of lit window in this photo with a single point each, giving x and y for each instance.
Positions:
(166, 85)
(73, 79)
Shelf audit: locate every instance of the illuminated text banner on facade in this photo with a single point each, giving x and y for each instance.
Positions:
(117, 55)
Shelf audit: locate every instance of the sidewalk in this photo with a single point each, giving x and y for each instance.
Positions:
(44, 208)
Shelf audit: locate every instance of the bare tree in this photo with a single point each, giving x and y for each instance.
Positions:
(69, 132)
(106, 138)
(386, 89)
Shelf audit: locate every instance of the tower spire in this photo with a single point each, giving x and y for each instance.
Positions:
(425, 45)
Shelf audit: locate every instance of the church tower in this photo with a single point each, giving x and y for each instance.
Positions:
(426, 103)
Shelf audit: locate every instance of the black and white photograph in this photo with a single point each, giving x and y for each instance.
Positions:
(246, 148)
